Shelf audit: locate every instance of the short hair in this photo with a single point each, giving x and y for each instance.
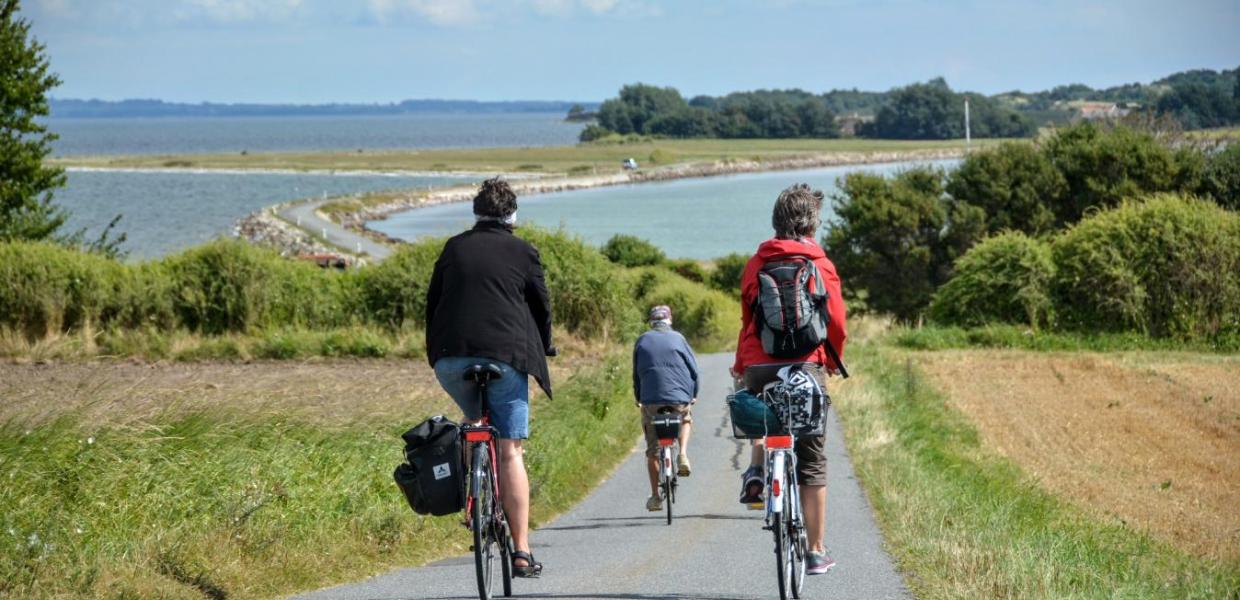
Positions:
(495, 199)
(796, 212)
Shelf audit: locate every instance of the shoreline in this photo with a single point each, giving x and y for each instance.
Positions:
(267, 228)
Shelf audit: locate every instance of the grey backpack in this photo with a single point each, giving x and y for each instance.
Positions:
(790, 311)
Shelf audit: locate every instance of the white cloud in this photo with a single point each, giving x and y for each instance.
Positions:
(623, 8)
(439, 12)
(238, 11)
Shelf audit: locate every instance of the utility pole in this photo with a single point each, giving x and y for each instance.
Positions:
(968, 138)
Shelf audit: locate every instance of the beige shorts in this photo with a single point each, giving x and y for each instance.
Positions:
(650, 411)
(811, 450)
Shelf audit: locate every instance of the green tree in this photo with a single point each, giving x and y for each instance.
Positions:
(1221, 178)
(26, 184)
(1015, 184)
(1103, 165)
(897, 238)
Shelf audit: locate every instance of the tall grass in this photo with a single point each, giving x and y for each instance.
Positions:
(964, 523)
(258, 504)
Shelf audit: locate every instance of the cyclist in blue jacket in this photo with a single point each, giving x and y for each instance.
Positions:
(665, 376)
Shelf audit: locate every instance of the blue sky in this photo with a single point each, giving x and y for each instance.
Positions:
(315, 51)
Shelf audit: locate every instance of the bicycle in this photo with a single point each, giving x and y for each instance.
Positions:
(484, 511)
(667, 430)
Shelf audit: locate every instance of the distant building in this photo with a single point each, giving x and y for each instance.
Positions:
(849, 124)
(1100, 110)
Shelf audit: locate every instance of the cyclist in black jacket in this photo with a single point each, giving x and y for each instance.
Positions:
(488, 301)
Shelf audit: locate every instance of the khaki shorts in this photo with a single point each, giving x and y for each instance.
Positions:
(811, 450)
(650, 411)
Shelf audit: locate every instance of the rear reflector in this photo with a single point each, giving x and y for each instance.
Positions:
(477, 436)
(666, 443)
(775, 487)
(779, 441)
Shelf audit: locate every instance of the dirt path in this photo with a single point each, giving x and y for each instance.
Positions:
(1152, 440)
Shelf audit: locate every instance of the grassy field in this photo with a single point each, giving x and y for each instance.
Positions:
(251, 480)
(965, 520)
(582, 159)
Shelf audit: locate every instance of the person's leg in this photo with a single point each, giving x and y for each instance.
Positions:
(515, 488)
(814, 506)
(652, 453)
(686, 426)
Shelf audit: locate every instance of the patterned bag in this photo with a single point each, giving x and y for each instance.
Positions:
(798, 400)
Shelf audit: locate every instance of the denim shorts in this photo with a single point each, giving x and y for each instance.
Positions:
(508, 397)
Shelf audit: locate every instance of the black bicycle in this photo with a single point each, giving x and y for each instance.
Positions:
(667, 431)
(483, 508)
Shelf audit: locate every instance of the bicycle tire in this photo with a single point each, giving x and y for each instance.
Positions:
(505, 557)
(796, 535)
(484, 546)
(782, 565)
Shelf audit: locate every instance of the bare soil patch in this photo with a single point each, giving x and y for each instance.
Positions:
(1150, 439)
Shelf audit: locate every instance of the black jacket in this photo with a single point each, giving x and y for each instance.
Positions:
(487, 298)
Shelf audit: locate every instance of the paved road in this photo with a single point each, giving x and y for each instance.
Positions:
(302, 214)
(610, 547)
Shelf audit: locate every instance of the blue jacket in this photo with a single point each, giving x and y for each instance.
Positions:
(664, 368)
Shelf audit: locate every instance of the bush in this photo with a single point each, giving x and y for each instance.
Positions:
(1014, 183)
(49, 288)
(393, 292)
(1221, 178)
(1004, 279)
(895, 239)
(632, 251)
(594, 132)
(1168, 267)
(689, 269)
(727, 274)
(1103, 165)
(708, 318)
(662, 157)
(589, 295)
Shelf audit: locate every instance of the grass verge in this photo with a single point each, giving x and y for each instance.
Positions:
(229, 502)
(935, 337)
(964, 523)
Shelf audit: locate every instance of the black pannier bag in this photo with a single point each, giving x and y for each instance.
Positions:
(433, 479)
(666, 427)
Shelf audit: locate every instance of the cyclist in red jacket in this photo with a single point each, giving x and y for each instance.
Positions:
(795, 219)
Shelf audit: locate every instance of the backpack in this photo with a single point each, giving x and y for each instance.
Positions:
(790, 311)
(433, 478)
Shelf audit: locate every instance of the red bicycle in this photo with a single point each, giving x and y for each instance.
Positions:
(483, 509)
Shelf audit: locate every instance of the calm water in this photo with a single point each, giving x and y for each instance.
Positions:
(688, 218)
(175, 135)
(165, 212)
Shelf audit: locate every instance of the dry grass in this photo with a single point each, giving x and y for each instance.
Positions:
(1150, 439)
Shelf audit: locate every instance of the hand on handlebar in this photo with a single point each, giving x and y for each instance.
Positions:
(553, 351)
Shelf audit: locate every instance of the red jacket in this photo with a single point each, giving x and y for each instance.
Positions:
(749, 346)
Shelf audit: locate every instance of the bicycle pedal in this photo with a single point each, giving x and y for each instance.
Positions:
(756, 506)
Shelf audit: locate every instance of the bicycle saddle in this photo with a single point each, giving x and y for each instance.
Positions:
(483, 372)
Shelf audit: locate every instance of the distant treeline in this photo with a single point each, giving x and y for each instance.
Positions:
(70, 108)
(932, 110)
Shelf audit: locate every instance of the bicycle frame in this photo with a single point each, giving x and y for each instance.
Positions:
(778, 454)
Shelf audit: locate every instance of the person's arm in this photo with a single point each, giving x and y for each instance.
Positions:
(750, 273)
(691, 363)
(433, 292)
(637, 380)
(537, 298)
(837, 327)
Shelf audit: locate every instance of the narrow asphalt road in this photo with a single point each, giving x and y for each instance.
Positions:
(610, 547)
(303, 215)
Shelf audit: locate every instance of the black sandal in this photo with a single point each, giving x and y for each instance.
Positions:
(532, 568)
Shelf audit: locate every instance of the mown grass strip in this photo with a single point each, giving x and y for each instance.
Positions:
(964, 523)
(1015, 337)
(224, 504)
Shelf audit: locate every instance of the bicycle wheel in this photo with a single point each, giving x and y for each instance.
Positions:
(483, 507)
(505, 557)
(783, 567)
(796, 533)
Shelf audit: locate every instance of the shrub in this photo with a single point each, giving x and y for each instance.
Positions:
(1221, 178)
(689, 269)
(393, 292)
(1004, 279)
(589, 295)
(727, 274)
(1168, 267)
(895, 239)
(1014, 183)
(708, 318)
(632, 251)
(594, 132)
(48, 288)
(580, 169)
(1103, 165)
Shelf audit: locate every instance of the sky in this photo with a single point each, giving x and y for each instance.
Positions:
(320, 51)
